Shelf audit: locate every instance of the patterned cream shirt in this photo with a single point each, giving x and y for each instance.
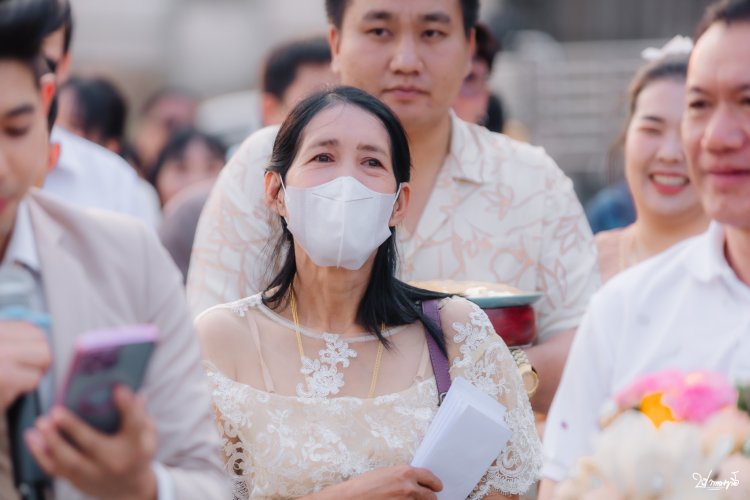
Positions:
(500, 211)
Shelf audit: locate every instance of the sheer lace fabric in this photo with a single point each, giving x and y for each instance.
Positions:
(291, 428)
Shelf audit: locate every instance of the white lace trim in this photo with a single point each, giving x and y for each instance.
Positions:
(519, 465)
(240, 308)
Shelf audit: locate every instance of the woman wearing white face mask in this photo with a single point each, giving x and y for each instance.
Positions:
(324, 383)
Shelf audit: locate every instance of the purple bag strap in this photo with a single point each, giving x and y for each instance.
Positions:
(438, 360)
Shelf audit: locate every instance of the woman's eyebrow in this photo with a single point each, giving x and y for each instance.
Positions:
(19, 110)
(371, 148)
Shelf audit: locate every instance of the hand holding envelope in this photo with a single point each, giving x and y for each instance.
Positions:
(467, 434)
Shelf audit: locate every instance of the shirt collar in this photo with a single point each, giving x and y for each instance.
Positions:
(465, 159)
(706, 259)
(22, 245)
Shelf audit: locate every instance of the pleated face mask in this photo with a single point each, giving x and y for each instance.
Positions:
(339, 223)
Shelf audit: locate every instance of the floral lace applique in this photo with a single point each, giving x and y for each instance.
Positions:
(240, 307)
(322, 375)
(471, 335)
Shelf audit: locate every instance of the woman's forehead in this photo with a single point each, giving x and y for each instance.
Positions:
(345, 124)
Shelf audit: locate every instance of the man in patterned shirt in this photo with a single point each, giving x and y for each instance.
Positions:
(483, 207)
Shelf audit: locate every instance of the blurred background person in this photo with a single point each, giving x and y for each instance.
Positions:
(668, 209)
(189, 157)
(167, 110)
(183, 175)
(291, 72)
(95, 109)
(475, 102)
(87, 174)
(611, 207)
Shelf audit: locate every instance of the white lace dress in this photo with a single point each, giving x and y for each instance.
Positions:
(293, 427)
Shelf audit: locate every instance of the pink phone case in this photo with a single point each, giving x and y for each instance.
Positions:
(104, 359)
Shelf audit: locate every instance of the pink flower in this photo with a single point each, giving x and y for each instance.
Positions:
(631, 396)
(703, 394)
(691, 397)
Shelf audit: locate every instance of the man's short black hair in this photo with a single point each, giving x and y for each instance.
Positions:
(284, 61)
(23, 26)
(724, 11)
(100, 107)
(469, 9)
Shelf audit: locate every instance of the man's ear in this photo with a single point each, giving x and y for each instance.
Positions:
(401, 205)
(63, 68)
(270, 109)
(334, 41)
(54, 155)
(49, 87)
(273, 193)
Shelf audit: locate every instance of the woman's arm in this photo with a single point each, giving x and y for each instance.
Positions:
(389, 483)
(480, 356)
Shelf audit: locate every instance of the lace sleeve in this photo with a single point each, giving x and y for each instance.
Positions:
(233, 419)
(480, 356)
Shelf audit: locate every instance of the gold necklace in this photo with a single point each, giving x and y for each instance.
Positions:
(378, 356)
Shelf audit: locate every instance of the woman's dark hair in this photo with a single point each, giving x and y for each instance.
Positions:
(177, 145)
(469, 9)
(23, 26)
(100, 107)
(671, 67)
(387, 300)
(724, 11)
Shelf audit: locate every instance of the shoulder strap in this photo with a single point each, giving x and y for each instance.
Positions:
(438, 360)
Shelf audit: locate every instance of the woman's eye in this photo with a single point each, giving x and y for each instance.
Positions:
(372, 162)
(323, 158)
(378, 32)
(698, 104)
(16, 131)
(651, 131)
(433, 34)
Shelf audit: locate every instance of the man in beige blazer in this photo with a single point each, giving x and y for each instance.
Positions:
(93, 270)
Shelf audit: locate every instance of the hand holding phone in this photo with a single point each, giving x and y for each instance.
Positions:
(102, 360)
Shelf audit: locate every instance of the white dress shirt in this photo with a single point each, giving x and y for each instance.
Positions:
(22, 249)
(90, 176)
(684, 309)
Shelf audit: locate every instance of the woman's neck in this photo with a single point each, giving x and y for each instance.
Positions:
(328, 298)
(653, 235)
(737, 251)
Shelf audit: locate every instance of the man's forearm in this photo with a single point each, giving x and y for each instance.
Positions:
(548, 358)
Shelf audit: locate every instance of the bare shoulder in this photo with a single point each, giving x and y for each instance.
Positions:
(223, 332)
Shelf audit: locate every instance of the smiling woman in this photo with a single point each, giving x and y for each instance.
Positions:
(667, 206)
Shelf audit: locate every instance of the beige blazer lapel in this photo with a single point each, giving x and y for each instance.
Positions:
(70, 298)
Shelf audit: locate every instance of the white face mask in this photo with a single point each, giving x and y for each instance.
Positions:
(339, 223)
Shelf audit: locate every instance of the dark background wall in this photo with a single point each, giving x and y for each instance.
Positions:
(587, 20)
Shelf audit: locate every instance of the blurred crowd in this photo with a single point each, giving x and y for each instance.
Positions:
(378, 159)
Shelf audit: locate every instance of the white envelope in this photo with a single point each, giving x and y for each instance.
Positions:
(467, 434)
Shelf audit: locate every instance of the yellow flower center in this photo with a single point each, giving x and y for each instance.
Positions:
(652, 407)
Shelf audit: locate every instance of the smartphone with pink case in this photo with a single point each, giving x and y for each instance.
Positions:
(102, 360)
